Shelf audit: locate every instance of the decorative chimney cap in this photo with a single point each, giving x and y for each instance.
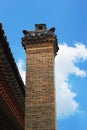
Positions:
(40, 32)
(40, 35)
(40, 26)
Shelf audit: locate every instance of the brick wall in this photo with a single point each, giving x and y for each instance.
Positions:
(40, 90)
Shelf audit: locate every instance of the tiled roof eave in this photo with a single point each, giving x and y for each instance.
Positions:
(5, 45)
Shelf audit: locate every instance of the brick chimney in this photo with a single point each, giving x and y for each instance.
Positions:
(40, 107)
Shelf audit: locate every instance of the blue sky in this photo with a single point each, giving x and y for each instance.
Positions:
(69, 17)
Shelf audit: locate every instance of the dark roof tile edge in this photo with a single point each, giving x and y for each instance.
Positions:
(4, 43)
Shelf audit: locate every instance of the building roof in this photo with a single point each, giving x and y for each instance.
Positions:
(12, 89)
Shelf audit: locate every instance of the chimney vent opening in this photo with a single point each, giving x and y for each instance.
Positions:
(40, 26)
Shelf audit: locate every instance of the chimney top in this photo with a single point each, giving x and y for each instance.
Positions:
(40, 26)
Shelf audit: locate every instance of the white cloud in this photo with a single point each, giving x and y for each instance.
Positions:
(20, 65)
(64, 66)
